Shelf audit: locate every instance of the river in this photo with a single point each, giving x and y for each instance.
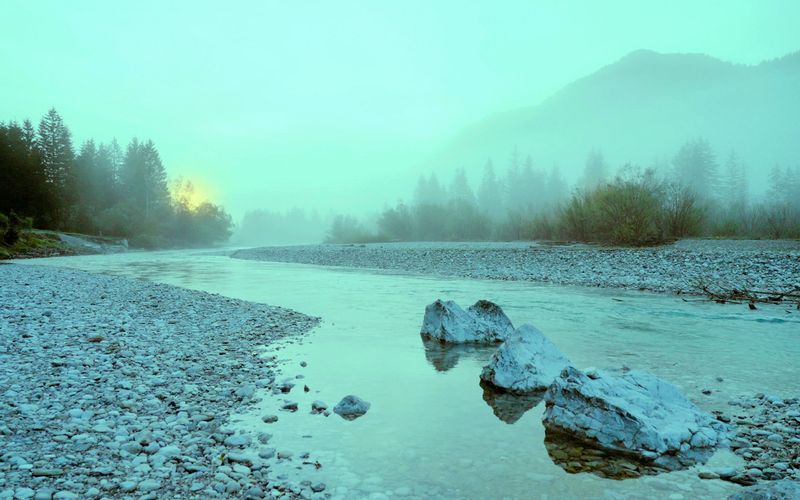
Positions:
(430, 432)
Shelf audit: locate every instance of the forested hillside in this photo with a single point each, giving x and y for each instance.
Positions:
(100, 188)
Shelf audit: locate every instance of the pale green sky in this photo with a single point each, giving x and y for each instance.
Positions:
(333, 104)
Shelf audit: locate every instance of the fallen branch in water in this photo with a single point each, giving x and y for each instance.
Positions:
(750, 297)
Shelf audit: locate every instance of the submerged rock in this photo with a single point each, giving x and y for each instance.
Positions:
(636, 414)
(351, 407)
(526, 362)
(482, 322)
(785, 489)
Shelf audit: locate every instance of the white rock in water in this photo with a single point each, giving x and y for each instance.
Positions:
(351, 407)
(634, 413)
(526, 362)
(483, 322)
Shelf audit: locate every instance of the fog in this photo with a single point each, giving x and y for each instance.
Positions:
(338, 108)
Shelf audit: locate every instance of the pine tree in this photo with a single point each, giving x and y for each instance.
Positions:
(83, 181)
(557, 189)
(490, 196)
(429, 191)
(460, 191)
(735, 183)
(514, 191)
(54, 142)
(29, 135)
(696, 167)
(596, 170)
(777, 185)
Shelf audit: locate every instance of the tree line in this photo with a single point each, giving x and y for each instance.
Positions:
(102, 189)
(693, 196)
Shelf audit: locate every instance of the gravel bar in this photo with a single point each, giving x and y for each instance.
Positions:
(678, 268)
(113, 387)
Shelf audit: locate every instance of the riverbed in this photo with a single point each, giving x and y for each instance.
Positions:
(430, 432)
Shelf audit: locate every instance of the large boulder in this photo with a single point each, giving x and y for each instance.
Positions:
(482, 322)
(526, 362)
(636, 414)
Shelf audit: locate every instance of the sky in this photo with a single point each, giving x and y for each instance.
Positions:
(333, 105)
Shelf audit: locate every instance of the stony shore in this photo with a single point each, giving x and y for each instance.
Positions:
(121, 388)
(678, 268)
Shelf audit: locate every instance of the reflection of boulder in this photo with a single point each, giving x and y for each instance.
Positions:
(526, 362)
(445, 356)
(636, 414)
(509, 407)
(483, 322)
(577, 456)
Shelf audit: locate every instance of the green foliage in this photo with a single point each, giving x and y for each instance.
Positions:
(208, 223)
(346, 229)
(13, 227)
(683, 214)
(98, 191)
(627, 212)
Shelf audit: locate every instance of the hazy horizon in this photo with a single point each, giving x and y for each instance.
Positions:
(334, 106)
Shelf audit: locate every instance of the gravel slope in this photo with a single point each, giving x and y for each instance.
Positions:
(117, 387)
(767, 265)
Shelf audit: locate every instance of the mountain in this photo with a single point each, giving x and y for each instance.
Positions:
(641, 109)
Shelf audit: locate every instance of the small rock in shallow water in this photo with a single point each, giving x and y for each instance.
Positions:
(290, 406)
(351, 407)
(269, 419)
(266, 453)
(238, 440)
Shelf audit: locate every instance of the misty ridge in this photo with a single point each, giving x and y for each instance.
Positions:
(649, 149)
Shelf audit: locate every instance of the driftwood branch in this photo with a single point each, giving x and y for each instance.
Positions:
(740, 295)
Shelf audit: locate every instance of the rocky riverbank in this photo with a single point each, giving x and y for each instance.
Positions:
(678, 268)
(114, 387)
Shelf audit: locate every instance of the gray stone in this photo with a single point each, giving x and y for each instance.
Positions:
(238, 440)
(351, 407)
(526, 362)
(636, 413)
(483, 322)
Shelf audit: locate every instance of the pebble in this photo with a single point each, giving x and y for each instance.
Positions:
(139, 409)
(763, 262)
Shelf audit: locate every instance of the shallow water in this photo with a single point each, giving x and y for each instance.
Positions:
(429, 431)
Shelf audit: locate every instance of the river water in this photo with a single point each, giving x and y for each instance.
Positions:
(430, 432)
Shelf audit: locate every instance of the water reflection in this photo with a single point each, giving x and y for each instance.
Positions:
(444, 356)
(509, 407)
(425, 405)
(576, 456)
